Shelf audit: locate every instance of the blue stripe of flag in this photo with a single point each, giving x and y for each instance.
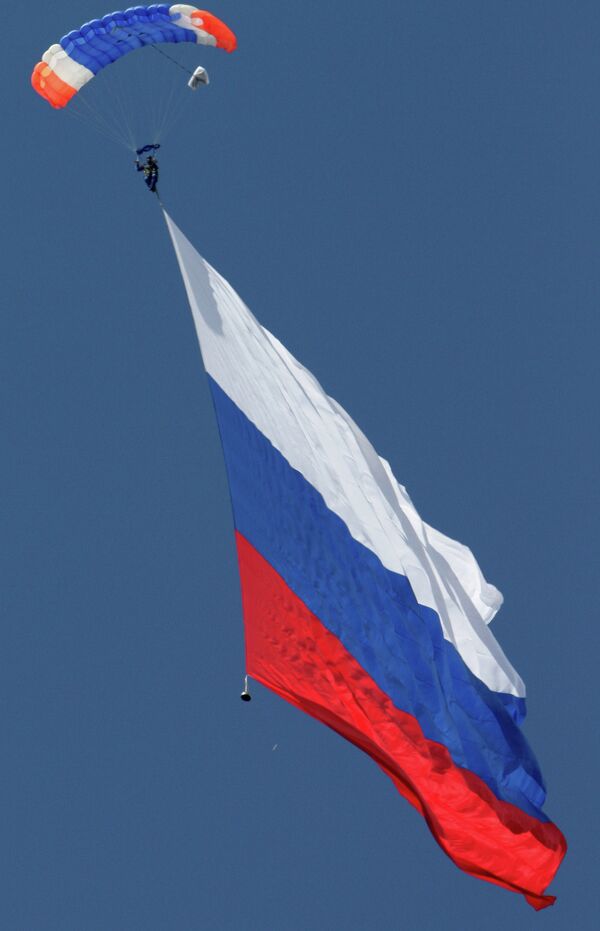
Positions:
(374, 613)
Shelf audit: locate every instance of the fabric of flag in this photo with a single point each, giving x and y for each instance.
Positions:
(360, 613)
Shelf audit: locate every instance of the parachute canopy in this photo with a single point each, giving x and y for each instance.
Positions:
(69, 64)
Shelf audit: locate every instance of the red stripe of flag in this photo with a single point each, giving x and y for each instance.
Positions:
(291, 652)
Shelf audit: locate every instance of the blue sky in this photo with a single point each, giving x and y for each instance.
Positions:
(407, 194)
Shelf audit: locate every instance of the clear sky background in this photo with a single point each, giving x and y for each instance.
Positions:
(407, 194)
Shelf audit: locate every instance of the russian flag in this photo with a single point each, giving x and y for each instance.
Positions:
(358, 612)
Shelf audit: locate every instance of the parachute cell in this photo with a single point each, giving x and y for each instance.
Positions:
(68, 65)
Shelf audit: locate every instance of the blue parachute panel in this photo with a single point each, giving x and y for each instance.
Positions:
(102, 41)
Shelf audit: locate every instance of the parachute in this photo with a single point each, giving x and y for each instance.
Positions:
(67, 66)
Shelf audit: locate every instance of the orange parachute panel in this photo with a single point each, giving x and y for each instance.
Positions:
(50, 86)
(226, 39)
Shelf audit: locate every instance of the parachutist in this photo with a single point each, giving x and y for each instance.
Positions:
(150, 169)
